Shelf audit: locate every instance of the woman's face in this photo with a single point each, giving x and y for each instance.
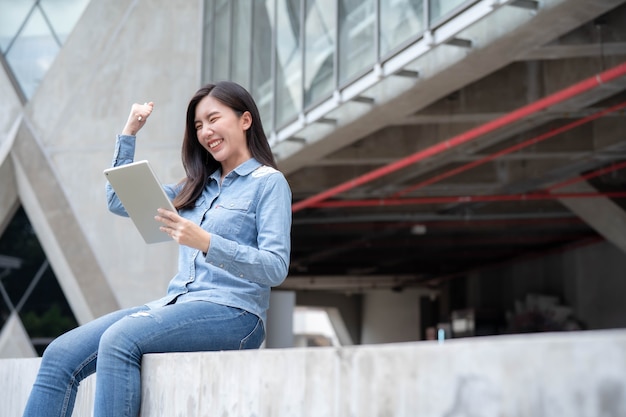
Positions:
(222, 132)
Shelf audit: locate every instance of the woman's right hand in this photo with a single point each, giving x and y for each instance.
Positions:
(139, 113)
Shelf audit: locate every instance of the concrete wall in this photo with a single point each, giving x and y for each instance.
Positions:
(589, 279)
(596, 284)
(391, 316)
(84, 101)
(53, 150)
(10, 107)
(544, 375)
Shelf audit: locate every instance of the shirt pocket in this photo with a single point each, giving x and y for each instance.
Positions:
(227, 217)
(196, 213)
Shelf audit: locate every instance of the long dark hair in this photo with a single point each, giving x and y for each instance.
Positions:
(199, 164)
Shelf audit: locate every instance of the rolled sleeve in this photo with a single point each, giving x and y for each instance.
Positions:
(221, 252)
(124, 150)
(124, 154)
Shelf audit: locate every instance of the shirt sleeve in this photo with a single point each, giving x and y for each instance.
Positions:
(124, 154)
(268, 263)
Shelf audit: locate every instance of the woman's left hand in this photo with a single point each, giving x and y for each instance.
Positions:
(183, 231)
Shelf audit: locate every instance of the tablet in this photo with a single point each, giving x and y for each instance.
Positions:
(142, 194)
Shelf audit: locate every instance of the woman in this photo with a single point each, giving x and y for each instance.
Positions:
(233, 230)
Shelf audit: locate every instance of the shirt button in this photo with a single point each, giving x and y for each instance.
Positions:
(240, 275)
(221, 265)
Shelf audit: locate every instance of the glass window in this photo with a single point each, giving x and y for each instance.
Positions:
(319, 50)
(400, 20)
(221, 41)
(242, 38)
(207, 42)
(63, 15)
(262, 60)
(28, 285)
(32, 53)
(357, 36)
(288, 61)
(440, 8)
(12, 16)
(31, 34)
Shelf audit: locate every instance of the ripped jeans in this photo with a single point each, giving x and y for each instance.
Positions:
(112, 346)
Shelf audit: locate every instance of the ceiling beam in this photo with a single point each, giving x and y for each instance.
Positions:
(575, 51)
(353, 283)
(602, 214)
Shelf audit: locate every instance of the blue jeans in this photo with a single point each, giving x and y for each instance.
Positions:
(112, 346)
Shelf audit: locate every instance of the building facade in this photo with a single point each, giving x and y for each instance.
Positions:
(454, 164)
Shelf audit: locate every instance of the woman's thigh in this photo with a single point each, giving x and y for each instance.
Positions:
(75, 351)
(187, 327)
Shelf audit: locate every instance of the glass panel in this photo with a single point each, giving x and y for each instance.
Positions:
(44, 311)
(63, 15)
(262, 60)
(12, 15)
(319, 50)
(207, 37)
(32, 53)
(221, 41)
(357, 36)
(242, 38)
(440, 8)
(400, 20)
(288, 61)
(19, 245)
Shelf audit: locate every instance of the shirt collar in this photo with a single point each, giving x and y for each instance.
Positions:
(242, 170)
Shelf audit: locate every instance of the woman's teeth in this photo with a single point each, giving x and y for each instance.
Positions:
(214, 144)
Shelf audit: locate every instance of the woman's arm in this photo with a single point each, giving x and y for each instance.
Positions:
(268, 264)
(124, 154)
(125, 150)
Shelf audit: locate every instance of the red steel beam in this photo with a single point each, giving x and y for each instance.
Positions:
(386, 202)
(534, 107)
(511, 149)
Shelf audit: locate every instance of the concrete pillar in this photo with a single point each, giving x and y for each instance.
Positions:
(9, 201)
(14, 341)
(391, 316)
(279, 332)
(349, 307)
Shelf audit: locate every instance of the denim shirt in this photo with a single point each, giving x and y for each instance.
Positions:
(249, 218)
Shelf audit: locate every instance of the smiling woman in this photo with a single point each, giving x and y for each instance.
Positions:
(222, 132)
(232, 225)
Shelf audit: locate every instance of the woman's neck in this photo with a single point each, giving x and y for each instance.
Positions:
(226, 167)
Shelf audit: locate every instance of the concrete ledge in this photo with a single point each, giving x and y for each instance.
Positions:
(558, 374)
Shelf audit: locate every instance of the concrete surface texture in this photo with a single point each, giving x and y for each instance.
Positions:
(54, 148)
(542, 375)
(77, 111)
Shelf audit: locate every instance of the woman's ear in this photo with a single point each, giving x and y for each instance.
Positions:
(246, 120)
